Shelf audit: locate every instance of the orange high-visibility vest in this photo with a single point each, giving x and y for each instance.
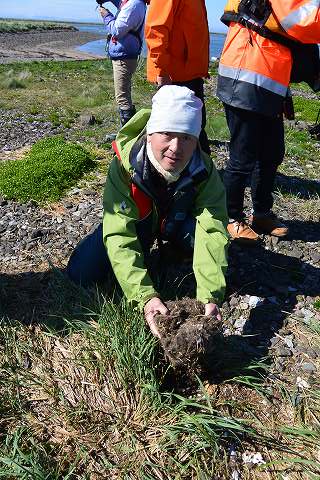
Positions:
(256, 62)
(177, 37)
(299, 18)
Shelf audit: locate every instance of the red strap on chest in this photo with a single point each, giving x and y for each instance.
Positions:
(141, 199)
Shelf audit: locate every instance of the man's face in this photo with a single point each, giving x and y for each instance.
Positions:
(172, 150)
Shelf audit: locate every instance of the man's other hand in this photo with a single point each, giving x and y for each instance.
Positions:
(212, 310)
(103, 12)
(152, 308)
(161, 81)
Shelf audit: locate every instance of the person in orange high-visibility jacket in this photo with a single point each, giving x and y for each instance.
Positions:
(177, 37)
(254, 75)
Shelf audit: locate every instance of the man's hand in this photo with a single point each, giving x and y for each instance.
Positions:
(152, 308)
(161, 81)
(103, 12)
(212, 310)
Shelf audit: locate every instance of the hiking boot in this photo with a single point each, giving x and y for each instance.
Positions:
(270, 225)
(126, 115)
(242, 233)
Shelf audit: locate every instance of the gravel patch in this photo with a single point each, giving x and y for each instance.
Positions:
(45, 45)
(18, 131)
(32, 237)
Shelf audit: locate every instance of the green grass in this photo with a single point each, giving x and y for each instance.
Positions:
(305, 109)
(78, 86)
(300, 145)
(87, 87)
(15, 26)
(52, 166)
(93, 398)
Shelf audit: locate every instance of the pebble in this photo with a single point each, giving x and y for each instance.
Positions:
(284, 352)
(36, 233)
(315, 256)
(87, 119)
(308, 367)
(296, 252)
(234, 302)
(289, 342)
(307, 315)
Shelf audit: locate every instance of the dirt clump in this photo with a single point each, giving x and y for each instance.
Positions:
(187, 335)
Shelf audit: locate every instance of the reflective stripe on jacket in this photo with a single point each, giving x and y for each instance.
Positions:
(177, 38)
(123, 209)
(254, 71)
(299, 18)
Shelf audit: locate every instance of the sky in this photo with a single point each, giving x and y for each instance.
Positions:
(83, 10)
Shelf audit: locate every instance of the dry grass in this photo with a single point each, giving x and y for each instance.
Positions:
(92, 402)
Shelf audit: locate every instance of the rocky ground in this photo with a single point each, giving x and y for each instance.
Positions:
(46, 45)
(17, 131)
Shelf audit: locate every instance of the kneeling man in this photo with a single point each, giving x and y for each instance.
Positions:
(160, 185)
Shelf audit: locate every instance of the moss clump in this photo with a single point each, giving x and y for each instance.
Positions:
(51, 167)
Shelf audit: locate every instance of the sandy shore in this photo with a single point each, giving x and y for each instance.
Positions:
(46, 45)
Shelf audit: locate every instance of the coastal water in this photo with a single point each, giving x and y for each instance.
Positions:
(98, 47)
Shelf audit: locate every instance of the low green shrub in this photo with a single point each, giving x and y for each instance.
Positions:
(51, 167)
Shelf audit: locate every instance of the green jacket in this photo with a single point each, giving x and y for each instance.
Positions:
(121, 215)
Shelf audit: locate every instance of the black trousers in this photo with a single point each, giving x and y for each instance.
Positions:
(197, 86)
(256, 151)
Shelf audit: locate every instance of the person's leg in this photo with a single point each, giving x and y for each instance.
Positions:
(197, 86)
(263, 179)
(244, 151)
(89, 263)
(123, 71)
(264, 174)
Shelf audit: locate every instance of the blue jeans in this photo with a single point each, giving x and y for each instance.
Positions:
(89, 263)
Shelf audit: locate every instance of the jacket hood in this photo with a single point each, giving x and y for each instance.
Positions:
(129, 135)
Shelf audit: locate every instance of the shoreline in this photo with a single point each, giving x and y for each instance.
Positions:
(45, 45)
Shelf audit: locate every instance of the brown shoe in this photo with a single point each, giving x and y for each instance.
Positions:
(270, 225)
(242, 233)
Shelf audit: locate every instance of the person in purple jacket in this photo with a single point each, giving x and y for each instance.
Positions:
(125, 38)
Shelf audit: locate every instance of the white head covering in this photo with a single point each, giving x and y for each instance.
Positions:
(175, 109)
